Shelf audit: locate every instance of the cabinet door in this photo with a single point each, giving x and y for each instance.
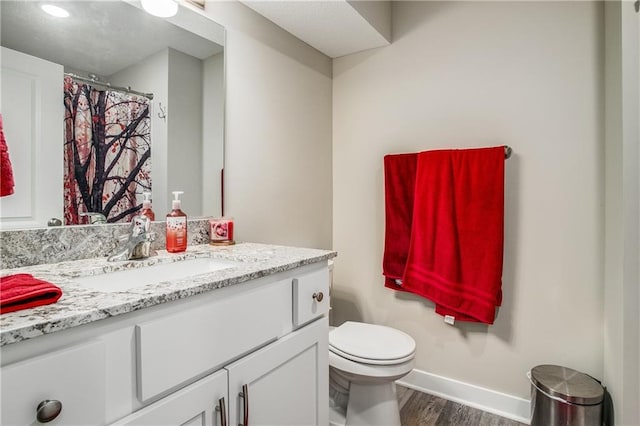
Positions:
(285, 383)
(203, 403)
(74, 376)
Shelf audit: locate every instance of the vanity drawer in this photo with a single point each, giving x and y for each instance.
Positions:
(173, 350)
(74, 376)
(310, 296)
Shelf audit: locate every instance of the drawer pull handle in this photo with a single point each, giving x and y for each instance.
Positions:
(318, 296)
(245, 398)
(222, 408)
(48, 410)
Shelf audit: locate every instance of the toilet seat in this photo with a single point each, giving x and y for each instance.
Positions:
(371, 361)
(371, 344)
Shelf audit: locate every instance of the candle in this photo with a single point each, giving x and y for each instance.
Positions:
(221, 231)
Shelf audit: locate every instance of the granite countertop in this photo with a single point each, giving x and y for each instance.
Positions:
(82, 305)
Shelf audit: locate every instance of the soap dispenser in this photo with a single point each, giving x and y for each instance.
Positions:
(146, 207)
(176, 226)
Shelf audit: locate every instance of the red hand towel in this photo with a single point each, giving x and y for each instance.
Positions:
(399, 184)
(6, 171)
(22, 291)
(456, 248)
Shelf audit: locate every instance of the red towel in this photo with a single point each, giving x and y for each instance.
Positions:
(399, 183)
(22, 291)
(455, 253)
(6, 171)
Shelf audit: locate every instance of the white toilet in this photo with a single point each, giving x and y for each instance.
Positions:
(364, 361)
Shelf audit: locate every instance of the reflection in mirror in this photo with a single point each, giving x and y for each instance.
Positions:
(133, 102)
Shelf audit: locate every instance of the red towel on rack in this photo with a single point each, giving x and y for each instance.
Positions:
(6, 171)
(455, 253)
(22, 291)
(399, 184)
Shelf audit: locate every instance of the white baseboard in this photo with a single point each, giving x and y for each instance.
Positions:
(504, 405)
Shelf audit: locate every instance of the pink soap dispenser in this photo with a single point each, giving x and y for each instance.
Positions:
(146, 207)
(176, 226)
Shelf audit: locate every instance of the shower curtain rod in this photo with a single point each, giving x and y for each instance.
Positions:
(92, 79)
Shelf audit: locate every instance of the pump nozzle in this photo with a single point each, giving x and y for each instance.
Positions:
(175, 204)
(146, 203)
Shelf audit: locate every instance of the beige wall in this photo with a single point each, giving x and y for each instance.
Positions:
(465, 74)
(621, 292)
(457, 75)
(278, 132)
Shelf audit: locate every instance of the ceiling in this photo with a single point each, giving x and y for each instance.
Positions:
(334, 27)
(100, 37)
(103, 37)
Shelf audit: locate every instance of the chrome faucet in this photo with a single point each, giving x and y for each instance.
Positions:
(94, 217)
(138, 241)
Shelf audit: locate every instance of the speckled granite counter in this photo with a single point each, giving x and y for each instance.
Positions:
(81, 305)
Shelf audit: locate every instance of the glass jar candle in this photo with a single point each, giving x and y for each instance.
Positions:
(221, 231)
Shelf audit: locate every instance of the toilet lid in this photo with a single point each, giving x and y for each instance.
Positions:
(371, 344)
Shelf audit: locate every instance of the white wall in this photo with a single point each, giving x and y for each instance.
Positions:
(184, 124)
(212, 133)
(176, 81)
(630, 21)
(622, 295)
(277, 132)
(150, 75)
(377, 13)
(467, 74)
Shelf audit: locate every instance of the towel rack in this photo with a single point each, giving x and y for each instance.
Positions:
(507, 151)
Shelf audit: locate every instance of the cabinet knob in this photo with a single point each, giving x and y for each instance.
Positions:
(318, 296)
(54, 221)
(48, 410)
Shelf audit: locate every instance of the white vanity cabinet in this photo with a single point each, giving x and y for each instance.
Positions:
(285, 383)
(187, 362)
(73, 377)
(203, 403)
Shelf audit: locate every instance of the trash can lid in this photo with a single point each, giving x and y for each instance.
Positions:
(568, 384)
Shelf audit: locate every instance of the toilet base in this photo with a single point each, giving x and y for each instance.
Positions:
(383, 411)
(337, 417)
(373, 405)
(380, 407)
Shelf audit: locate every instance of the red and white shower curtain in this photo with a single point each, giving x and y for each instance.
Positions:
(107, 152)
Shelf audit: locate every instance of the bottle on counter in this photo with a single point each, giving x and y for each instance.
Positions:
(176, 226)
(146, 207)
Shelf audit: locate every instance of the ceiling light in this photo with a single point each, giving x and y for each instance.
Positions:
(56, 11)
(160, 8)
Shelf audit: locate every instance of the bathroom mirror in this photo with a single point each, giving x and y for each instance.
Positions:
(180, 60)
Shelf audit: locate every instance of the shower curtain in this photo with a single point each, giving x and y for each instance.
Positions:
(107, 152)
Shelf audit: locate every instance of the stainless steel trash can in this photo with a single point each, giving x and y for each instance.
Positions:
(561, 396)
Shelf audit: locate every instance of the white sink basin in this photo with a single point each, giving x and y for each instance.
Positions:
(140, 277)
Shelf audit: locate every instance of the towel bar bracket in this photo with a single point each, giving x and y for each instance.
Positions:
(507, 151)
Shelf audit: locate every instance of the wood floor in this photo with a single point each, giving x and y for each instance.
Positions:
(421, 409)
